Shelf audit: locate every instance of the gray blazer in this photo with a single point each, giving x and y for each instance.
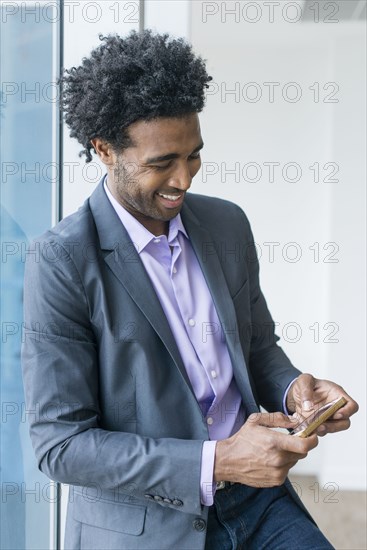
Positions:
(117, 418)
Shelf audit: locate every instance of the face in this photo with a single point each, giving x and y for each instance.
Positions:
(150, 179)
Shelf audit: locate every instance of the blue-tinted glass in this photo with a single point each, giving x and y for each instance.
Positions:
(26, 211)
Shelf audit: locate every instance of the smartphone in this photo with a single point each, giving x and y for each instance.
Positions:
(312, 422)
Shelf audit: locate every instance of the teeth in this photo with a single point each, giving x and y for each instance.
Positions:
(170, 197)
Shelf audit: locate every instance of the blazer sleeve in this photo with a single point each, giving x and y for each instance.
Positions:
(270, 367)
(60, 372)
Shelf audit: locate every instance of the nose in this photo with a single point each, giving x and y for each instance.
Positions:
(181, 179)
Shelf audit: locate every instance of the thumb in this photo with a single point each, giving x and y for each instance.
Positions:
(305, 389)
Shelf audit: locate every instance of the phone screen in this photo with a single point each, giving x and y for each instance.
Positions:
(312, 422)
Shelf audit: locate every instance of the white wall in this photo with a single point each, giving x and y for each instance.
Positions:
(324, 287)
(171, 16)
(344, 459)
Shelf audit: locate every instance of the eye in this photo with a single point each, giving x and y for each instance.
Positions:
(195, 156)
(161, 166)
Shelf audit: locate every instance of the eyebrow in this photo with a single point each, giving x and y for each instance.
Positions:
(170, 156)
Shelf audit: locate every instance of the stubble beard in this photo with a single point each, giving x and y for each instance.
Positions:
(130, 194)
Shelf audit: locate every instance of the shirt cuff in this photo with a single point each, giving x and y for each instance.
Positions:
(285, 396)
(207, 485)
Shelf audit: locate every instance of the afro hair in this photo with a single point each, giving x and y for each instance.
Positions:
(140, 77)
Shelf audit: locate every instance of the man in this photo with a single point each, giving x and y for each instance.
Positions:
(147, 351)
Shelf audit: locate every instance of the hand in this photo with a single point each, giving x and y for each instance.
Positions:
(258, 456)
(307, 394)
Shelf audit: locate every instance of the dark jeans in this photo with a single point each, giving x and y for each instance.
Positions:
(260, 519)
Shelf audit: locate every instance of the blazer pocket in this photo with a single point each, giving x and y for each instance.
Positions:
(113, 516)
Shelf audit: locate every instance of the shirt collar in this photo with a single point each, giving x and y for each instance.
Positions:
(139, 234)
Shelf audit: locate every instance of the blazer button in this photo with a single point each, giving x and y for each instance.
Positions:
(199, 524)
(149, 497)
(177, 502)
(167, 500)
(158, 498)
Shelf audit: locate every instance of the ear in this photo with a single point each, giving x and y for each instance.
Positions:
(104, 151)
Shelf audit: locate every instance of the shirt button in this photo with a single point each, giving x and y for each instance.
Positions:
(213, 374)
(157, 240)
(209, 420)
(192, 322)
(199, 524)
(174, 270)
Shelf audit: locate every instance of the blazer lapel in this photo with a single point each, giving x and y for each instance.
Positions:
(123, 259)
(201, 240)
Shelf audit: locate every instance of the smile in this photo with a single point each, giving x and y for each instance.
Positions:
(172, 198)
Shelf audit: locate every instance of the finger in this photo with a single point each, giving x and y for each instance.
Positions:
(350, 408)
(292, 458)
(298, 445)
(333, 426)
(305, 387)
(321, 430)
(272, 420)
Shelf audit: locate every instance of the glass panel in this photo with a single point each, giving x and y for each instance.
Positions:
(27, 209)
